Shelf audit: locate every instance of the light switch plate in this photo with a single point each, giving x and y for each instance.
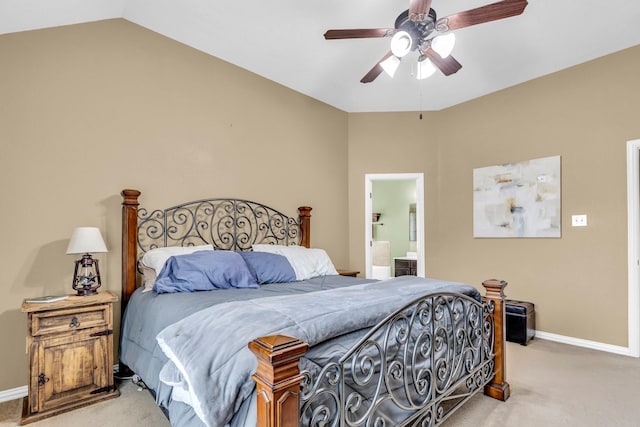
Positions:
(578, 220)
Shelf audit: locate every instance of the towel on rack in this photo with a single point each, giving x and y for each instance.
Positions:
(381, 252)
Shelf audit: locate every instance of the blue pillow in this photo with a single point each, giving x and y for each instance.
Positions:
(269, 268)
(204, 271)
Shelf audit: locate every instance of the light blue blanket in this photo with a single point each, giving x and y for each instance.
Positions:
(210, 365)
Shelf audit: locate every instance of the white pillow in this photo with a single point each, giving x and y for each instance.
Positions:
(155, 259)
(306, 263)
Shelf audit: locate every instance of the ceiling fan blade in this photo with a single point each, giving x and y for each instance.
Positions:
(361, 33)
(419, 9)
(448, 65)
(491, 12)
(375, 71)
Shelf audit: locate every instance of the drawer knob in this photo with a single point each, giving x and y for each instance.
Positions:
(42, 379)
(74, 322)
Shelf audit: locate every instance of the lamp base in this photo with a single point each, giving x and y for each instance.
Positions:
(86, 292)
(86, 277)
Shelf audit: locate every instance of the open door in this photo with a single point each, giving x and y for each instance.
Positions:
(403, 214)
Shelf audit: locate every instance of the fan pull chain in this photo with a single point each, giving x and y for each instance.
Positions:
(420, 83)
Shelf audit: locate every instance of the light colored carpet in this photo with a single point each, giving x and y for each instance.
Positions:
(552, 385)
(132, 408)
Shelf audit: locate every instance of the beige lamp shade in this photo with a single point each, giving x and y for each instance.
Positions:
(86, 240)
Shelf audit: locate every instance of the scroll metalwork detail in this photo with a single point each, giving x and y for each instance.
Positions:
(415, 368)
(227, 224)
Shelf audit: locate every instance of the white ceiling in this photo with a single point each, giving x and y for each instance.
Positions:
(283, 41)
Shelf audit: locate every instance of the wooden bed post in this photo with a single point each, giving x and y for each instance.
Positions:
(499, 387)
(305, 225)
(129, 243)
(278, 380)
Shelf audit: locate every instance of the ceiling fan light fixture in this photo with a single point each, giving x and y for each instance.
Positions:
(444, 44)
(413, 30)
(401, 43)
(390, 65)
(425, 68)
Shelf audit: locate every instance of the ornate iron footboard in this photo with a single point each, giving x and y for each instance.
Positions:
(415, 368)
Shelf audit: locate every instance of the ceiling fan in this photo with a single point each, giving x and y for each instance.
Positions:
(414, 31)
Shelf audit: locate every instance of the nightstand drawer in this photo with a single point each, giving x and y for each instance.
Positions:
(51, 322)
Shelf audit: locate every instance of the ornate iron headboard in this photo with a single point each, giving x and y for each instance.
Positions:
(227, 224)
(230, 224)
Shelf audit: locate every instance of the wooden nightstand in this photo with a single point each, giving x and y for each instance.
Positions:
(351, 273)
(70, 353)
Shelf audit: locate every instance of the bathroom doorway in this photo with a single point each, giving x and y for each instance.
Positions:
(395, 228)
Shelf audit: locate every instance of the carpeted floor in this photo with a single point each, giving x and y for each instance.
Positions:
(552, 385)
(555, 385)
(132, 408)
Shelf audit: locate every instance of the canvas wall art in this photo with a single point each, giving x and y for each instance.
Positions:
(517, 199)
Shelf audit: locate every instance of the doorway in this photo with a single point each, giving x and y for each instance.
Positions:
(411, 223)
(633, 231)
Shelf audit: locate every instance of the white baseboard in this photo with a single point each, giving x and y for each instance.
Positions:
(579, 342)
(14, 393)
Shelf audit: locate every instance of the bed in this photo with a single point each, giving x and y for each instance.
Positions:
(306, 346)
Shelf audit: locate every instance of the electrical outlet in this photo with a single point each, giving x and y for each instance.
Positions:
(578, 220)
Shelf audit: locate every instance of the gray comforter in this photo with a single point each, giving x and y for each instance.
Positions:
(148, 313)
(210, 366)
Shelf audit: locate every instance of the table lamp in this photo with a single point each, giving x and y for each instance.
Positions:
(86, 276)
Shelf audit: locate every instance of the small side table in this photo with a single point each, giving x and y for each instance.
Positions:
(70, 350)
(405, 266)
(351, 273)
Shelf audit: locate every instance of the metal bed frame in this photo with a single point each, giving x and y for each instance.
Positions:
(416, 367)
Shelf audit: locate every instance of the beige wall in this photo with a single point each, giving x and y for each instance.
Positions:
(586, 115)
(88, 110)
(82, 105)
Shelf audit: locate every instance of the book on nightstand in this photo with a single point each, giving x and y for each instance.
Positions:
(48, 298)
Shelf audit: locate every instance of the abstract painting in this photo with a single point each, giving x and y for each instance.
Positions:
(517, 199)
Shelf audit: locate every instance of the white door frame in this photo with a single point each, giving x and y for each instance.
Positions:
(633, 238)
(368, 215)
